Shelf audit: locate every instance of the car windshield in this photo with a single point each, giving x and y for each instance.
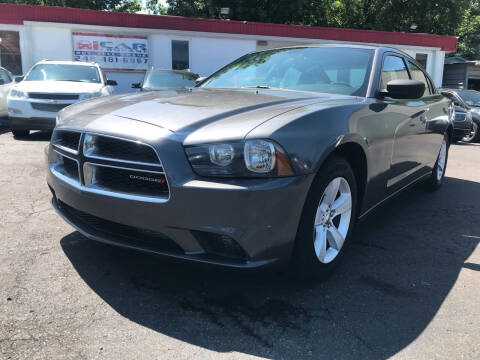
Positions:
(158, 80)
(63, 72)
(335, 70)
(471, 98)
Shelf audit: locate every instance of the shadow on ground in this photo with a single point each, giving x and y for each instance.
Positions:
(404, 261)
(36, 136)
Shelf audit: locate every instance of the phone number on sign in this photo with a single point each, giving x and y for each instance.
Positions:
(111, 59)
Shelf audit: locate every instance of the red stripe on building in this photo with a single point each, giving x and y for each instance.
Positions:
(17, 14)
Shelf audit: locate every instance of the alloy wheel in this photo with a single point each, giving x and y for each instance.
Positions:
(332, 220)
(472, 134)
(442, 159)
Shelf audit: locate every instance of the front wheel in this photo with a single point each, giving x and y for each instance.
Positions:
(435, 180)
(327, 220)
(472, 136)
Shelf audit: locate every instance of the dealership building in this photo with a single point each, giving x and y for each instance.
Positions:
(125, 45)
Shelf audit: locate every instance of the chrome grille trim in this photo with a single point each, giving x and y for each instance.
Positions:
(59, 142)
(90, 153)
(83, 160)
(54, 167)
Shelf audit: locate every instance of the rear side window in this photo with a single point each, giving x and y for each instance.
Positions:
(418, 74)
(394, 68)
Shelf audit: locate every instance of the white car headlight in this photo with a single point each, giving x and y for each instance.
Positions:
(17, 94)
(91, 95)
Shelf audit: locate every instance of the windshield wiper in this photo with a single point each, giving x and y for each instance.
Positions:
(266, 87)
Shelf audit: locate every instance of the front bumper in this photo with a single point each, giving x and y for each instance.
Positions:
(256, 219)
(22, 115)
(35, 123)
(460, 129)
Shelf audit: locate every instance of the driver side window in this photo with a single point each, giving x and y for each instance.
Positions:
(394, 68)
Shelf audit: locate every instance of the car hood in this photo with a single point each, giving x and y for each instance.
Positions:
(63, 87)
(199, 114)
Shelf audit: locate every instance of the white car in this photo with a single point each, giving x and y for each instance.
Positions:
(6, 82)
(48, 87)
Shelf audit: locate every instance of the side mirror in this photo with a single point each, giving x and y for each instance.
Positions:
(405, 89)
(2, 82)
(111, 83)
(18, 78)
(136, 85)
(199, 80)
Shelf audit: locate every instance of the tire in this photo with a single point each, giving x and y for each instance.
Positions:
(306, 263)
(20, 133)
(435, 180)
(473, 136)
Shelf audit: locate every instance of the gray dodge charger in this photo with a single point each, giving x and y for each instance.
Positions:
(270, 160)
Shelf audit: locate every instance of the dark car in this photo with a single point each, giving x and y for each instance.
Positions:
(472, 99)
(156, 79)
(465, 126)
(269, 161)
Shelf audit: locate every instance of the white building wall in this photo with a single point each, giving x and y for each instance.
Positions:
(208, 52)
(53, 43)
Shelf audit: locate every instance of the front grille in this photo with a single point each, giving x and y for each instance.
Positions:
(127, 181)
(53, 96)
(68, 140)
(67, 167)
(120, 233)
(49, 107)
(119, 149)
(109, 169)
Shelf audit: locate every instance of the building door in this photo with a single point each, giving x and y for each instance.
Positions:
(10, 57)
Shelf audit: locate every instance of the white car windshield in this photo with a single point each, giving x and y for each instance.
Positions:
(63, 72)
(335, 70)
(157, 80)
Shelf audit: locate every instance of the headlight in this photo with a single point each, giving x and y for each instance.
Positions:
(91, 95)
(17, 94)
(252, 158)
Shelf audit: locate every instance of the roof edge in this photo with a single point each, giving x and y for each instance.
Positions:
(18, 13)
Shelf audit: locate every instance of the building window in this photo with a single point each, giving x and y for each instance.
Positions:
(422, 59)
(180, 57)
(10, 57)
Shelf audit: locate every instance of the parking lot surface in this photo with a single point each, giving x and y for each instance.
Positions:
(409, 286)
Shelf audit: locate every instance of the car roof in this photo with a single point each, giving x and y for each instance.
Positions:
(68, 62)
(174, 71)
(344, 45)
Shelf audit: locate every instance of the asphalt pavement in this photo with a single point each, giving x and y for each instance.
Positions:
(409, 286)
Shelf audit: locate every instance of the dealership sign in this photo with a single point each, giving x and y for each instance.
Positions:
(112, 52)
